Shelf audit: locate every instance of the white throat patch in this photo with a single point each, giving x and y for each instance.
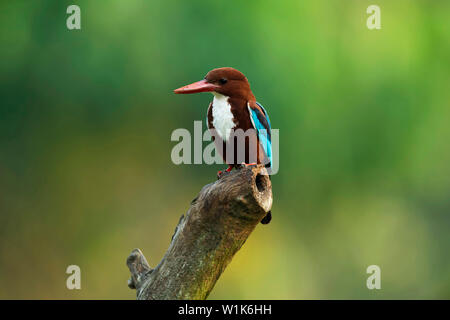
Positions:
(222, 116)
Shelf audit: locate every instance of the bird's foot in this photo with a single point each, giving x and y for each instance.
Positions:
(245, 165)
(221, 173)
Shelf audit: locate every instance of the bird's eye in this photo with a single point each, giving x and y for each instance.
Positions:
(223, 81)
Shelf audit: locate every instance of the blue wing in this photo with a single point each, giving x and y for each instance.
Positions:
(261, 123)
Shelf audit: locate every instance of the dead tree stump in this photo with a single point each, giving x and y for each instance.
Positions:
(214, 228)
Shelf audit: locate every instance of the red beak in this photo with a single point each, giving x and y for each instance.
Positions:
(199, 86)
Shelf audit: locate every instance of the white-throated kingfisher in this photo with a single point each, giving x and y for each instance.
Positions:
(234, 107)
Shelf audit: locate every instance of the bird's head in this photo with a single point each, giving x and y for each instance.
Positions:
(226, 81)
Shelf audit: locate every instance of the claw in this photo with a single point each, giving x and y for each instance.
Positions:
(243, 164)
(220, 173)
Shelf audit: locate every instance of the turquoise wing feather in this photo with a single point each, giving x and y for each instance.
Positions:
(261, 123)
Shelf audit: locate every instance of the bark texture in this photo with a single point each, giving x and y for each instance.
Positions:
(214, 228)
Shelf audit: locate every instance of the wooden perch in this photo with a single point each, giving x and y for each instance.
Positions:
(215, 227)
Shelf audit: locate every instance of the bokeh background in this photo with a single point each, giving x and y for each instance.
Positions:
(86, 118)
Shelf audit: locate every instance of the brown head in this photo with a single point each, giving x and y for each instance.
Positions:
(226, 81)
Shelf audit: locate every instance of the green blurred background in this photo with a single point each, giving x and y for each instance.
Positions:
(86, 118)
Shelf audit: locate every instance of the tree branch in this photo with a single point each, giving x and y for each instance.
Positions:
(215, 227)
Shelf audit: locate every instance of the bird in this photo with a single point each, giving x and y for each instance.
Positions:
(235, 107)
